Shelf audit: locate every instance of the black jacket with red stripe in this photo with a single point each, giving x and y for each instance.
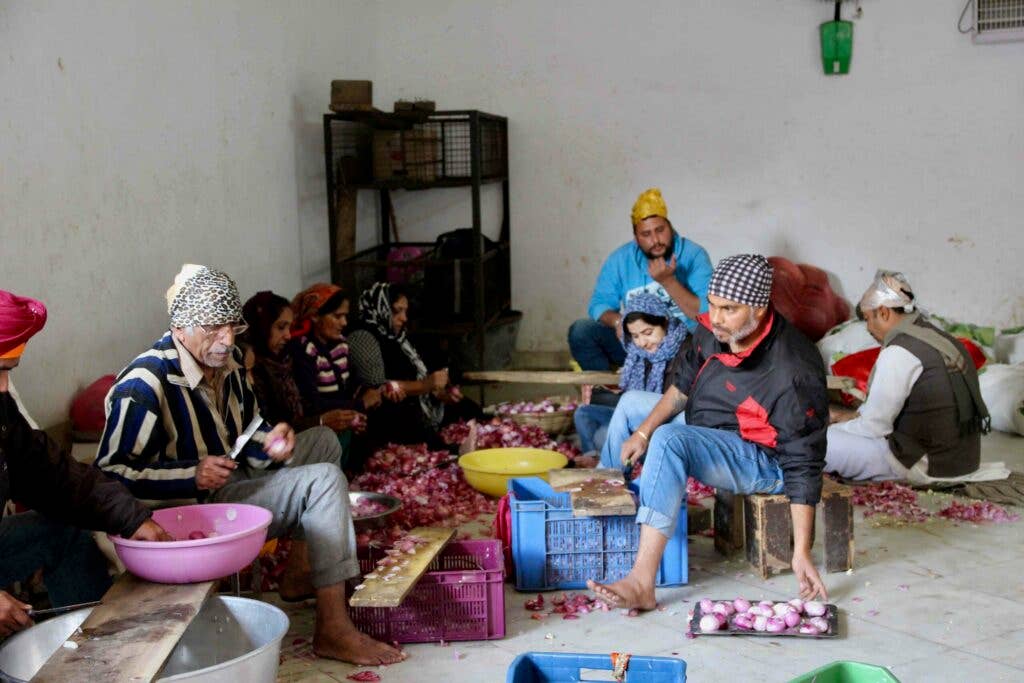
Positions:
(773, 394)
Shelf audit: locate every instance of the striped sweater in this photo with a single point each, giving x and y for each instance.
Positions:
(321, 373)
(159, 426)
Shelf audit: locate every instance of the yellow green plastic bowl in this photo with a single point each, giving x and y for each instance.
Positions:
(489, 470)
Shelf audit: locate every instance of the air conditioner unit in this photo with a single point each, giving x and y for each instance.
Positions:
(996, 21)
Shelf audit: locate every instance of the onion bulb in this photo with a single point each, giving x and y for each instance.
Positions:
(813, 608)
(709, 623)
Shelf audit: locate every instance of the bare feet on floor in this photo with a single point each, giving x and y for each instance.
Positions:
(627, 593)
(357, 648)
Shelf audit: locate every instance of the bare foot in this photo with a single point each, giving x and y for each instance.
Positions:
(627, 593)
(357, 648)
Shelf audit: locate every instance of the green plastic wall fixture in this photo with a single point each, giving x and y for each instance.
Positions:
(847, 672)
(836, 46)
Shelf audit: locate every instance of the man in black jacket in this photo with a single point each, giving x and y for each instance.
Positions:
(64, 496)
(756, 413)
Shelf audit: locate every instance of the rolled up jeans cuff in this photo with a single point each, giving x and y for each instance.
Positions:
(335, 573)
(663, 524)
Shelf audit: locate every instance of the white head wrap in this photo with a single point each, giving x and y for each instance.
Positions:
(889, 289)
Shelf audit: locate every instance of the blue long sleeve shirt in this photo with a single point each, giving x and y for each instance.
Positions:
(624, 273)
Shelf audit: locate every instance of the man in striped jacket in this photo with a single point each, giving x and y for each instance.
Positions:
(172, 418)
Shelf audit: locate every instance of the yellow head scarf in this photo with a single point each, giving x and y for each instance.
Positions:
(649, 203)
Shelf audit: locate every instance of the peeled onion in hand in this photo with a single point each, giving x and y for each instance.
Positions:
(277, 446)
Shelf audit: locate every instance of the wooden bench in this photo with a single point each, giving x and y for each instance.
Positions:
(763, 525)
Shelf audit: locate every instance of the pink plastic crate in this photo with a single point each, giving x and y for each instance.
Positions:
(461, 597)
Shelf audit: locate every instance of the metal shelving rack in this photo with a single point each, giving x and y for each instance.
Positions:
(463, 148)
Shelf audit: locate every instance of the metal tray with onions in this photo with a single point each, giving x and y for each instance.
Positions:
(831, 616)
(391, 504)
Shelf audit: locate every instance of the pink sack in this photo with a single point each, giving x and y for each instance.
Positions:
(87, 414)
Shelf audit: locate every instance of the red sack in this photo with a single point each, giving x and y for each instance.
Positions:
(87, 414)
(804, 297)
(858, 365)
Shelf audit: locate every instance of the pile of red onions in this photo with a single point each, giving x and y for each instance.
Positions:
(508, 434)
(527, 407)
(900, 503)
(977, 511)
(895, 501)
(796, 616)
(430, 495)
(570, 605)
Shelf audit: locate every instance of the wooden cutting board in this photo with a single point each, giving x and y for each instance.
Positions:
(600, 492)
(129, 636)
(391, 593)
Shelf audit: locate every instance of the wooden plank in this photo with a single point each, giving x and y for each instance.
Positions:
(728, 519)
(837, 525)
(130, 635)
(542, 377)
(345, 237)
(566, 479)
(597, 492)
(769, 534)
(376, 592)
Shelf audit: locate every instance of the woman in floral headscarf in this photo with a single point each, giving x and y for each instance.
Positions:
(416, 401)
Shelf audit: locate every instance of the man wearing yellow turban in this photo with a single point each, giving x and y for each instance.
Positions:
(659, 261)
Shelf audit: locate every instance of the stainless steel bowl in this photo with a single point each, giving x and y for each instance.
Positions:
(393, 505)
(230, 640)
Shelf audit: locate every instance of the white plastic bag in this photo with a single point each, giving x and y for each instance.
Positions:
(844, 339)
(1002, 388)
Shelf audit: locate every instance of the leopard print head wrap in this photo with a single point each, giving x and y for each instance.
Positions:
(203, 296)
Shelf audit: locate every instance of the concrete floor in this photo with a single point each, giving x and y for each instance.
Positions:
(933, 602)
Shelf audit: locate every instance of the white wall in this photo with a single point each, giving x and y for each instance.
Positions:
(140, 135)
(135, 136)
(912, 161)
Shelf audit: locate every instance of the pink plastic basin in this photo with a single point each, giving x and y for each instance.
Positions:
(234, 532)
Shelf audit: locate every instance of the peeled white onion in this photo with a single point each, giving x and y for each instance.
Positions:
(709, 623)
(813, 608)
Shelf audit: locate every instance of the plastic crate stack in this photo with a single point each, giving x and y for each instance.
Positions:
(461, 597)
(552, 549)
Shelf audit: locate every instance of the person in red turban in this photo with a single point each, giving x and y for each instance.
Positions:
(64, 496)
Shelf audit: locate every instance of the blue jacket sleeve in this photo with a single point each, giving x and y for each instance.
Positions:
(608, 291)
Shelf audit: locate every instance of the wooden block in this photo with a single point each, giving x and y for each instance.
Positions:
(728, 518)
(837, 524)
(345, 237)
(598, 492)
(543, 377)
(344, 92)
(768, 533)
(130, 635)
(568, 478)
(380, 593)
(698, 519)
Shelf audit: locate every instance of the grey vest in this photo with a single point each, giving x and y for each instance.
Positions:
(941, 418)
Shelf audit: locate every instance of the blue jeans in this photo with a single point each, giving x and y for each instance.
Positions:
(592, 426)
(714, 456)
(632, 409)
(74, 569)
(594, 345)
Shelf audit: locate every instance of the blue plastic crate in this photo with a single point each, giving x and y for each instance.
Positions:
(552, 549)
(564, 667)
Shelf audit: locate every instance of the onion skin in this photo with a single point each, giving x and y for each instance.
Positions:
(709, 623)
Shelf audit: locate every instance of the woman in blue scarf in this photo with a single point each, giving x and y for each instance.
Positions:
(651, 338)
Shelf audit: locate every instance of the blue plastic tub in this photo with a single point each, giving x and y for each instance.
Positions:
(554, 550)
(566, 667)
